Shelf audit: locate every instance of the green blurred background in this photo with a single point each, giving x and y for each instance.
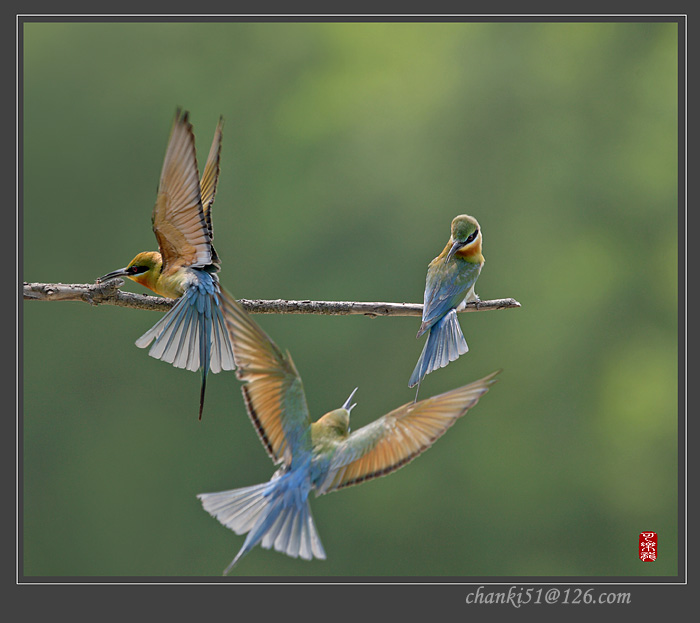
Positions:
(348, 149)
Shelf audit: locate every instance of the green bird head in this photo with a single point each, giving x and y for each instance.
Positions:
(335, 423)
(465, 238)
(145, 269)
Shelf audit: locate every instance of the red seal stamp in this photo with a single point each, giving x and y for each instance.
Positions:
(648, 542)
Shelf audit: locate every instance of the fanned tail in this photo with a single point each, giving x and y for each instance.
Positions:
(445, 343)
(274, 514)
(193, 334)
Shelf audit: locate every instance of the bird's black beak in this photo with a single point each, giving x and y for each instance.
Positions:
(347, 406)
(456, 245)
(122, 272)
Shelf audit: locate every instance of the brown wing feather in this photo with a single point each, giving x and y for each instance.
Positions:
(398, 437)
(208, 183)
(273, 392)
(178, 217)
(210, 176)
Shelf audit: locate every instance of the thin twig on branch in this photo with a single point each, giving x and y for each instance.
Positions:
(108, 293)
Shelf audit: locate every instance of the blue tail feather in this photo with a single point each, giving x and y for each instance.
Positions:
(274, 514)
(165, 327)
(445, 343)
(193, 334)
(204, 347)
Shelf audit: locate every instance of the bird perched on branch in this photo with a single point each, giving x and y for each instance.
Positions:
(193, 333)
(449, 286)
(321, 456)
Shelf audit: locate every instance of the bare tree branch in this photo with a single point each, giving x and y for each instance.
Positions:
(108, 293)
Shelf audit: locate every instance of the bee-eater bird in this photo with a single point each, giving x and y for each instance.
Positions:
(449, 286)
(322, 456)
(193, 333)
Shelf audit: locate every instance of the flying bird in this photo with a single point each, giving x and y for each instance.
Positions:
(193, 333)
(449, 286)
(320, 456)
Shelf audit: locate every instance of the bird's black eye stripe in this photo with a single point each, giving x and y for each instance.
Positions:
(471, 237)
(137, 270)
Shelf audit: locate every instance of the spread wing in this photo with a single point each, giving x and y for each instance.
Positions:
(398, 437)
(210, 176)
(273, 392)
(178, 217)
